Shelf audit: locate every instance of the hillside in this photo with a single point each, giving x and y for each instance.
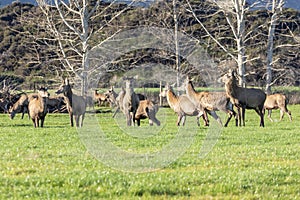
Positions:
(25, 60)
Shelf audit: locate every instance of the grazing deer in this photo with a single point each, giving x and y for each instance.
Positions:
(21, 105)
(182, 106)
(130, 102)
(211, 102)
(275, 101)
(148, 110)
(76, 105)
(38, 107)
(244, 98)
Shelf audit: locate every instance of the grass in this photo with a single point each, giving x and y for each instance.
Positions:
(245, 163)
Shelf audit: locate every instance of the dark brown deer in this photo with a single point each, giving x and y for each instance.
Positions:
(38, 107)
(148, 110)
(211, 102)
(55, 103)
(76, 105)
(244, 98)
(277, 101)
(182, 106)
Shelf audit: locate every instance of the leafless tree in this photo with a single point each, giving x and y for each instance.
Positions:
(71, 30)
(235, 13)
(277, 6)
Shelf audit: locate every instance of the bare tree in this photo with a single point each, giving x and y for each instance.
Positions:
(235, 13)
(69, 24)
(277, 6)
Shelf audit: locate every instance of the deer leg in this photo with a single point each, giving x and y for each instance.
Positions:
(261, 115)
(290, 115)
(117, 110)
(128, 118)
(281, 115)
(76, 120)
(179, 119)
(42, 121)
(34, 125)
(82, 118)
(138, 121)
(215, 116)
(183, 120)
(243, 115)
(37, 122)
(205, 118)
(229, 118)
(269, 115)
(239, 116)
(71, 119)
(156, 121)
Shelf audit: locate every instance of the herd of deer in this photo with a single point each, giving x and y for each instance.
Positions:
(136, 106)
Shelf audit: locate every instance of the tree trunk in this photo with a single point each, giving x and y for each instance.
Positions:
(276, 8)
(240, 37)
(177, 51)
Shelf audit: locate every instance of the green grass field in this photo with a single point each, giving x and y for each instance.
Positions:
(245, 163)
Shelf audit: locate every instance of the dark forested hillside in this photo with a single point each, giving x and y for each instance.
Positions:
(25, 59)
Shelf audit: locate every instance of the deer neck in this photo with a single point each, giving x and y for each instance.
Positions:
(68, 95)
(172, 98)
(190, 91)
(43, 102)
(231, 88)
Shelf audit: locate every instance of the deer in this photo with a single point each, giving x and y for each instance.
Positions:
(182, 106)
(38, 107)
(76, 105)
(111, 96)
(244, 98)
(211, 102)
(148, 110)
(55, 103)
(100, 97)
(277, 101)
(21, 105)
(130, 102)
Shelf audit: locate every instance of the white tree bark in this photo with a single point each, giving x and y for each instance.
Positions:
(277, 6)
(76, 17)
(177, 50)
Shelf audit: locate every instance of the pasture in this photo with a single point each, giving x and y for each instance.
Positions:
(246, 163)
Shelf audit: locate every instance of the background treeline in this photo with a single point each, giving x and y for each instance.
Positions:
(26, 59)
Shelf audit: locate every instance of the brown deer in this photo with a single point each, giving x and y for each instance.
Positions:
(38, 107)
(148, 110)
(211, 102)
(76, 105)
(244, 98)
(182, 106)
(100, 97)
(111, 96)
(21, 105)
(130, 102)
(277, 101)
